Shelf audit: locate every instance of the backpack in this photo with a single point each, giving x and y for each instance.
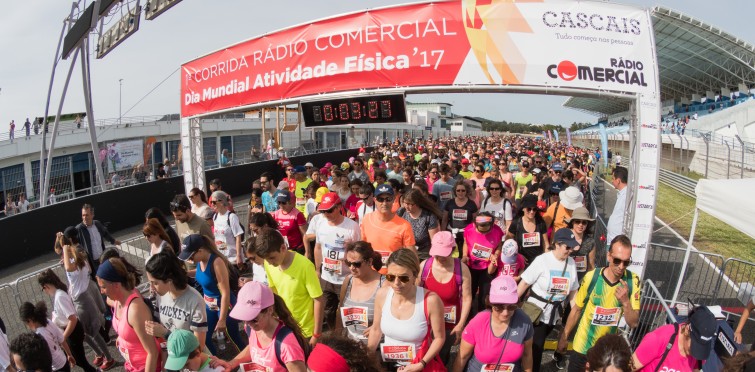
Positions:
(597, 273)
(457, 273)
(278, 339)
(228, 221)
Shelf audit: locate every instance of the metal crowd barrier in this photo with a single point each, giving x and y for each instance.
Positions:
(664, 268)
(654, 312)
(736, 282)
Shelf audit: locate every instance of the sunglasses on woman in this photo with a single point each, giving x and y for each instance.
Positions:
(500, 307)
(402, 278)
(355, 264)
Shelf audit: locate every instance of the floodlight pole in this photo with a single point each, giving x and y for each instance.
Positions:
(742, 163)
(87, 81)
(120, 100)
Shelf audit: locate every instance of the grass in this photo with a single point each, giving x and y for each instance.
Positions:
(711, 235)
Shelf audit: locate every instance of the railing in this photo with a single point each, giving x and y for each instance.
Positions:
(684, 185)
(654, 312)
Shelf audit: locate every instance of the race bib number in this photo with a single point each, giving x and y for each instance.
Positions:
(331, 261)
(581, 262)
(384, 257)
(300, 202)
(559, 286)
(606, 316)
(449, 314)
(459, 214)
(481, 252)
(446, 195)
(354, 316)
(221, 245)
(397, 353)
(531, 239)
(509, 269)
(212, 303)
(254, 367)
(503, 367)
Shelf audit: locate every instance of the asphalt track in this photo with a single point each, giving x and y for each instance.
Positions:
(663, 267)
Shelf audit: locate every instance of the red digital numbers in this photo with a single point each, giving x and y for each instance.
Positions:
(343, 111)
(372, 111)
(385, 109)
(356, 110)
(327, 111)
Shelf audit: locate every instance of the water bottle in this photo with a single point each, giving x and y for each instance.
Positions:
(220, 337)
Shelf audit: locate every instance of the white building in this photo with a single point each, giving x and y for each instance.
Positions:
(465, 124)
(435, 115)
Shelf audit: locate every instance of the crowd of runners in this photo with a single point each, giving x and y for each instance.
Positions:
(421, 254)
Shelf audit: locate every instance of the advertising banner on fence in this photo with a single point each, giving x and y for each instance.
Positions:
(124, 155)
(567, 44)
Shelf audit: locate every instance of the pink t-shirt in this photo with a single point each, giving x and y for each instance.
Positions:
(512, 270)
(288, 225)
(265, 356)
(651, 350)
(487, 347)
(481, 246)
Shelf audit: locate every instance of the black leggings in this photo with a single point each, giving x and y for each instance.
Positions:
(538, 344)
(480, 280)
(76, 343)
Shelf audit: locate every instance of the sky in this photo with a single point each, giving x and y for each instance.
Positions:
(140, 77)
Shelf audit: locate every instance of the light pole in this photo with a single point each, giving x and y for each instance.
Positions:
(120, 100)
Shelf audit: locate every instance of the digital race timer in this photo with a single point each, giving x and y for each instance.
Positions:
(355, 110)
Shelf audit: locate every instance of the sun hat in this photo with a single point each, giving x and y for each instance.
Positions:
(443, 243)
(580, 213)
(571, 198)
(252, 299)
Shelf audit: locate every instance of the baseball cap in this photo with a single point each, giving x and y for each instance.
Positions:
(320, 193)
(345, 165)
(503, 290)
(465, 161)
(284, 196)
(300, 169)
(309, 164)
(558, 167)
(220, 196)
(252, 299)
(181, 343)
(443, 244)
(383, 189)
(703, 328)
(190, 244)
(566, 236)
(329, 200)
(283, 185)
(509, 251)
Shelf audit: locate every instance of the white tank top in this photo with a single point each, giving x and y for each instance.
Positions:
(412, 330)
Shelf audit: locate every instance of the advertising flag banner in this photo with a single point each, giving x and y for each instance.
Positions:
(604, 145)
(570, 44)
(568, 137)
(555, 135)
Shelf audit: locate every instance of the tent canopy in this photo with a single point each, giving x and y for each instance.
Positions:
(728, 201)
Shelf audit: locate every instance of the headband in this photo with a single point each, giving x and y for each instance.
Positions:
(106, 271)
(483, 219)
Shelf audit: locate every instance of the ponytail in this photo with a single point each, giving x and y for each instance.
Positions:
(284, 315)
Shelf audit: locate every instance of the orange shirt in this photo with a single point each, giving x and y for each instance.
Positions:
(386, 237)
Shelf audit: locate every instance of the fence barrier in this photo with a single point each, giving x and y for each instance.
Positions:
(654, 312)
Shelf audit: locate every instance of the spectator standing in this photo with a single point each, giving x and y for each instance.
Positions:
(606, 295)
(615, 225)
(92, 235)
(12, 132)
(52, 198)
(23, 204)
(224, 158)
(382, 228)
(27, 129)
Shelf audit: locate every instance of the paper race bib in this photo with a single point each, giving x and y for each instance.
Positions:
(384, 257)
(212, 303)
(221, 245)
(446, 195)
(300, 202)
(481, 252)
(606, 316)
(503, 367)
(331, 265)
(449, 314)
(254, 367)
(459, 214)
(581, 262)
(397, 353)
(531, 239)
(509, 269)
(354, 316)
(559, 286)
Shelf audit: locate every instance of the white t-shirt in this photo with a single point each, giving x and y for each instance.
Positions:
(259, 274)
(78, 281)
(332, 240)
(498, 212)
(310, 207)
(54, 337)
(225, 236)
(363, 209)
(4, 351)
(23, 206)
(96, 239)
(62, 308)
(544, 275)
(615, 224)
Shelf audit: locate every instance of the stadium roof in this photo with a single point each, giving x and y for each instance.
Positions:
(693, 57)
